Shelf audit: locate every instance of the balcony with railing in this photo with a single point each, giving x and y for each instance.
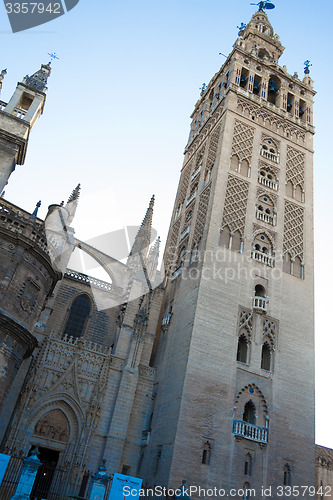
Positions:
(250, 431)
(177, 273)
(185, 232)
(265, 217)
(191, 198)
(263, 258)
(259, 304)
(166, 318)
(270, 183)
(19, 113)
(269, 155)
(196, 172)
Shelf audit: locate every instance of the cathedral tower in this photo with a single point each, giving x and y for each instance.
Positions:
(234, 404)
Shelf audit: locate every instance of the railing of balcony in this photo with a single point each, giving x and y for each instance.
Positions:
(268, 183)
(259, 304)
(177, 273)
(191, 198)
(269, 156)
(263, 216)
(19, 113)
(250, 431)
(196, 172)
(262, 257)
(166, 319)
(185, 232)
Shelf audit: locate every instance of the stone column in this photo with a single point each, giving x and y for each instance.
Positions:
(28, 475)
(99, 483)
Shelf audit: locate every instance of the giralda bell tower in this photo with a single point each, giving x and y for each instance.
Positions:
(234, 403)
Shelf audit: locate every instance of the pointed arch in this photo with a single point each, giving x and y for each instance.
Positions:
(225, 236)
(266, 355)
(78, 314)
(64, 403)
(265, 233)
(253, 393)
(242, 348)
(249, 412)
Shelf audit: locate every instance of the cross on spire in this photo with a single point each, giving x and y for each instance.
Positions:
(53, 56)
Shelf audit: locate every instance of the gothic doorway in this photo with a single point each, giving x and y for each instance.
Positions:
(45, 473)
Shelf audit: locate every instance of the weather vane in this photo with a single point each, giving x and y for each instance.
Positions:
(264, 5)
(307, 67)
(53, 56)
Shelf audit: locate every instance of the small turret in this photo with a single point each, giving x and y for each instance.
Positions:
(59, 234)
(72, 203)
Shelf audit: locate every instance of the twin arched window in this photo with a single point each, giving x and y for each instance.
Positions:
(78, 315)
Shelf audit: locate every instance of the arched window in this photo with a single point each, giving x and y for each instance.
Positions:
(267, 176)
(266, 354)
(269, 149)
(262, 249)
(246, 494)
(248, 465)
(236, 241)
(78, 315)
(206, 453)
(273, 89)
(242, 349)
(286, 475)
(265, 210)
(260, 291)
(249, 414)
(225, 237)
(234, 163)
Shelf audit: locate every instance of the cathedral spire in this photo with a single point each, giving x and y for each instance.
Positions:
(72, 203)
(38, 80)
(142, 239)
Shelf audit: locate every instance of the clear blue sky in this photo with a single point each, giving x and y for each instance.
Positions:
(117, 115)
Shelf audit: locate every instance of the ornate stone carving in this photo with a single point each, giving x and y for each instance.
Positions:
(293, 230)
(242, 143)
(269, 329)
(28, 295)
(212, 151)
(54, 425)
(235, 205)
(147, 372)
(295, 167)
(281, 124)
(246, 321)
(201, 214)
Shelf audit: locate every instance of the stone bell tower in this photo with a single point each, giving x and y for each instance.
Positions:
(234, 404)
(17, 119)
